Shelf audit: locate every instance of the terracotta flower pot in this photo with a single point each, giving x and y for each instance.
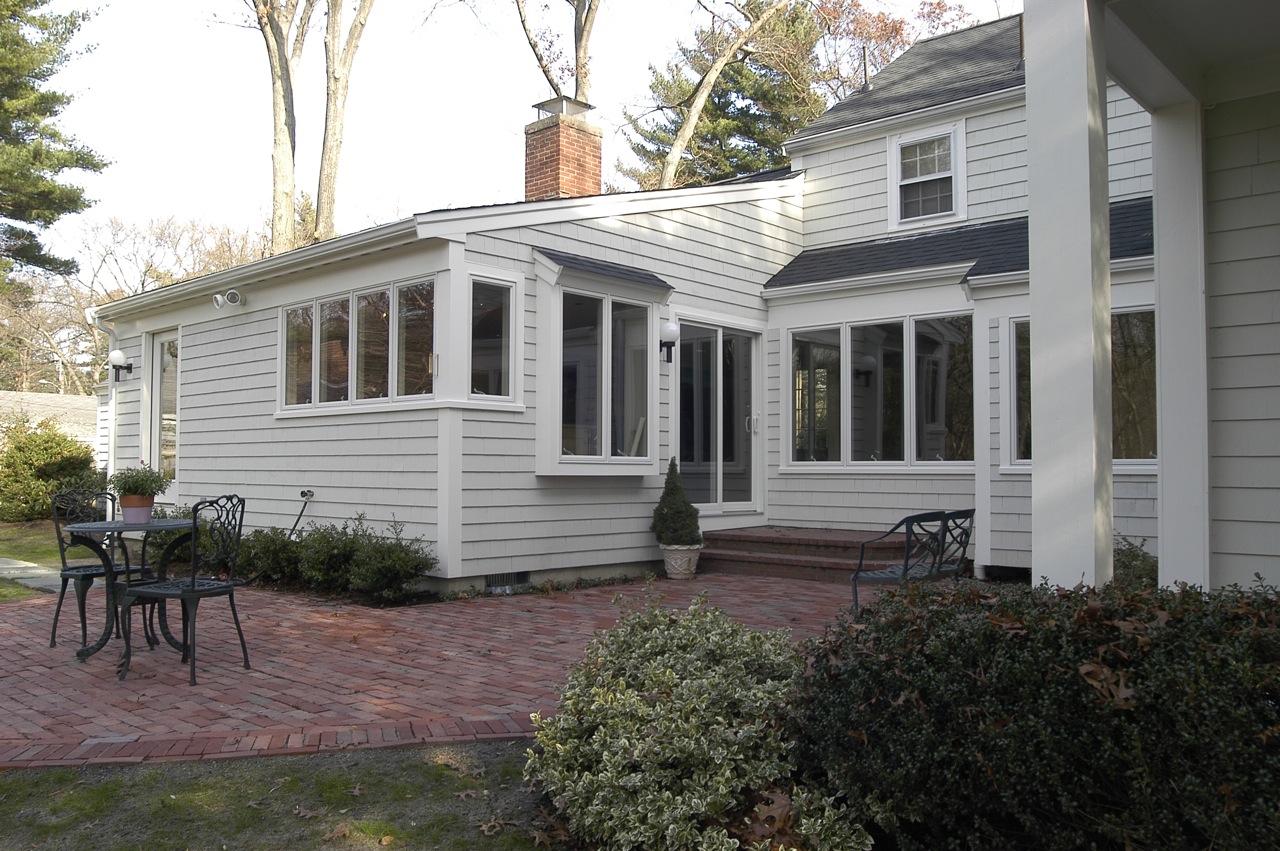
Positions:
(136, 508)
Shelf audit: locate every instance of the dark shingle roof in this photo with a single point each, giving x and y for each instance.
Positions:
(932, 72)
(994, 248)
(600, 267)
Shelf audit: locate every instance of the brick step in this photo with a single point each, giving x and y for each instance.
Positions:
(781, 565)
(838, 544)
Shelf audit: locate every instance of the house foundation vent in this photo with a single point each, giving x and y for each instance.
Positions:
(507, 583)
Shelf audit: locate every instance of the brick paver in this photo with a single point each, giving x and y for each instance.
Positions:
(332, 675)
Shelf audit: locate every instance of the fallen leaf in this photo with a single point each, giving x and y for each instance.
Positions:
(302, 812)
(341, 831)
(466, 793)
(386, 840)
(357, 790)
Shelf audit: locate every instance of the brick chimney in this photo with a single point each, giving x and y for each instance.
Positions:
(561, 152)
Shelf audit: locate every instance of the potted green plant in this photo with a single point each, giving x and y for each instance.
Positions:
(675, 524)
(138, 488)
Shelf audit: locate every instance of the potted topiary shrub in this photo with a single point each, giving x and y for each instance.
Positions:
(675, 523)
(138, 488)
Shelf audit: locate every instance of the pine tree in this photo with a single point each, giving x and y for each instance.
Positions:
(34, 153)
(762, 98)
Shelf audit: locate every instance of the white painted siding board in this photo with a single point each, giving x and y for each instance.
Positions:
(1243, 250)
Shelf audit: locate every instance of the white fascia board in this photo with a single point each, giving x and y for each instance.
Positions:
(920, 277)
(324, 253)
(534, 213)
(940, 114)
(997, 286)
(1125, 271)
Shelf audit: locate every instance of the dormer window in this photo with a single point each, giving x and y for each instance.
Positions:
(927, 176)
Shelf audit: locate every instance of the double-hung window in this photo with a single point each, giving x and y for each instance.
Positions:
(927, 176)
(362, 347)
(895, 391)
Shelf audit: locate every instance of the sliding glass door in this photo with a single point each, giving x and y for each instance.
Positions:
(718, 418)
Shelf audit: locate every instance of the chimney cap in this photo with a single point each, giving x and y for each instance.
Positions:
(563, 105)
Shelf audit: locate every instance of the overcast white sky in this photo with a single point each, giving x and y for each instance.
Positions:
(178, 99)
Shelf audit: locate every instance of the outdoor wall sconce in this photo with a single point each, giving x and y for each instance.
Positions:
(231, 298)
(120, 363)
(667, 339)
(863, 376)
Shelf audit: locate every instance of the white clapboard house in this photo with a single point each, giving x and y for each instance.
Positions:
(1034, 268)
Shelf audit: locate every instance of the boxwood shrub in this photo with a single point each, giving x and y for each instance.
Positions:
(349, 559)
(672, 734)
(967, 716)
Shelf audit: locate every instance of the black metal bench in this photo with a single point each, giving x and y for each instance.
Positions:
(936, 545)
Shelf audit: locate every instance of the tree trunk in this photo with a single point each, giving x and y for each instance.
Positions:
(338, 60)
(275, 20)
(545, 50)
(703, 92)
(584, 18)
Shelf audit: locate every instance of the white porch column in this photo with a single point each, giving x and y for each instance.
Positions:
(1181, 344)
(1071, 489)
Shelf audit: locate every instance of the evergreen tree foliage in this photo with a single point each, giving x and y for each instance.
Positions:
(34, 153)
(675, 518)
(760, 100)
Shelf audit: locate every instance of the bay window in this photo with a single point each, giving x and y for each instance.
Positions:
(339, 350)
(605, 356)
(490, 339)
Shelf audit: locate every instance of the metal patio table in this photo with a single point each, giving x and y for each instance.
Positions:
(90, 535)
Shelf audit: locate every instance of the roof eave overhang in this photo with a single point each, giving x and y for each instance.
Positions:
(330, 251)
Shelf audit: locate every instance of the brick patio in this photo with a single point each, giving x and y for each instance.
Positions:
(331, 675)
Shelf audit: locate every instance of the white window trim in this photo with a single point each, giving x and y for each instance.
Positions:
(514, 374)
(550, 460)
(393, 397)
(155, 375)
(1011, 465)
(846, 463)
(959, 211)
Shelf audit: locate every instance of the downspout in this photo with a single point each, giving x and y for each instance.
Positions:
(113, 342)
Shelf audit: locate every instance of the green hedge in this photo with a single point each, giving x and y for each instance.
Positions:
(38, 461)
(970, 716)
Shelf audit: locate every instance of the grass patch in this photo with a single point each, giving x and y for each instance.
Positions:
(11, 590)
(32, 541)
(445, 797)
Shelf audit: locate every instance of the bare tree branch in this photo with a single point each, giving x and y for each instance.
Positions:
(703, 90)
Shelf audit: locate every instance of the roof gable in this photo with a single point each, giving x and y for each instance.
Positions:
(932, 72)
